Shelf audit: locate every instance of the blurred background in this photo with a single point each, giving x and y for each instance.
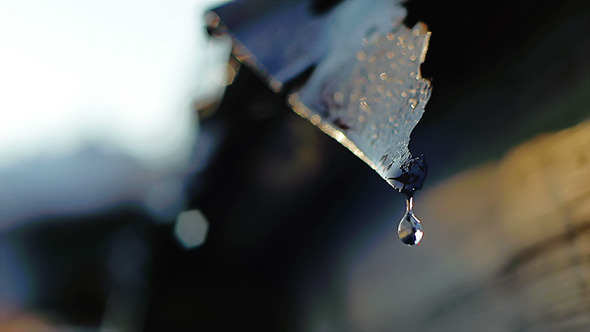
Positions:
(139, 192)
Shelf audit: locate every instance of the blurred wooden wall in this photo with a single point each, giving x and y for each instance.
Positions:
(521, 229)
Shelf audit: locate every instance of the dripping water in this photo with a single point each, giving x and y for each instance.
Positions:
(409, 229)
(408, 179)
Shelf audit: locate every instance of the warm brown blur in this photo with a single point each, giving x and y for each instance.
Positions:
(511, 245)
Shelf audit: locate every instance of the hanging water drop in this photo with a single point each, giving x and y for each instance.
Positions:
(409, 229)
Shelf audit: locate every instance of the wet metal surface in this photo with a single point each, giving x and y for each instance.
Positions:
(364, 87)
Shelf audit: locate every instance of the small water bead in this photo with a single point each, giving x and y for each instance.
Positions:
(361, 56)
(409, 229)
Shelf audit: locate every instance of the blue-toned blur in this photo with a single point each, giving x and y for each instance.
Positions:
(154, 177)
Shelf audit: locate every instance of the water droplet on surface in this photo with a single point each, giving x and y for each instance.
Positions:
(361, 56)
(409, 229)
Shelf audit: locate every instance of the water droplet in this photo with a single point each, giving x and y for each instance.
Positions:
(361, 56)
(409, 229)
